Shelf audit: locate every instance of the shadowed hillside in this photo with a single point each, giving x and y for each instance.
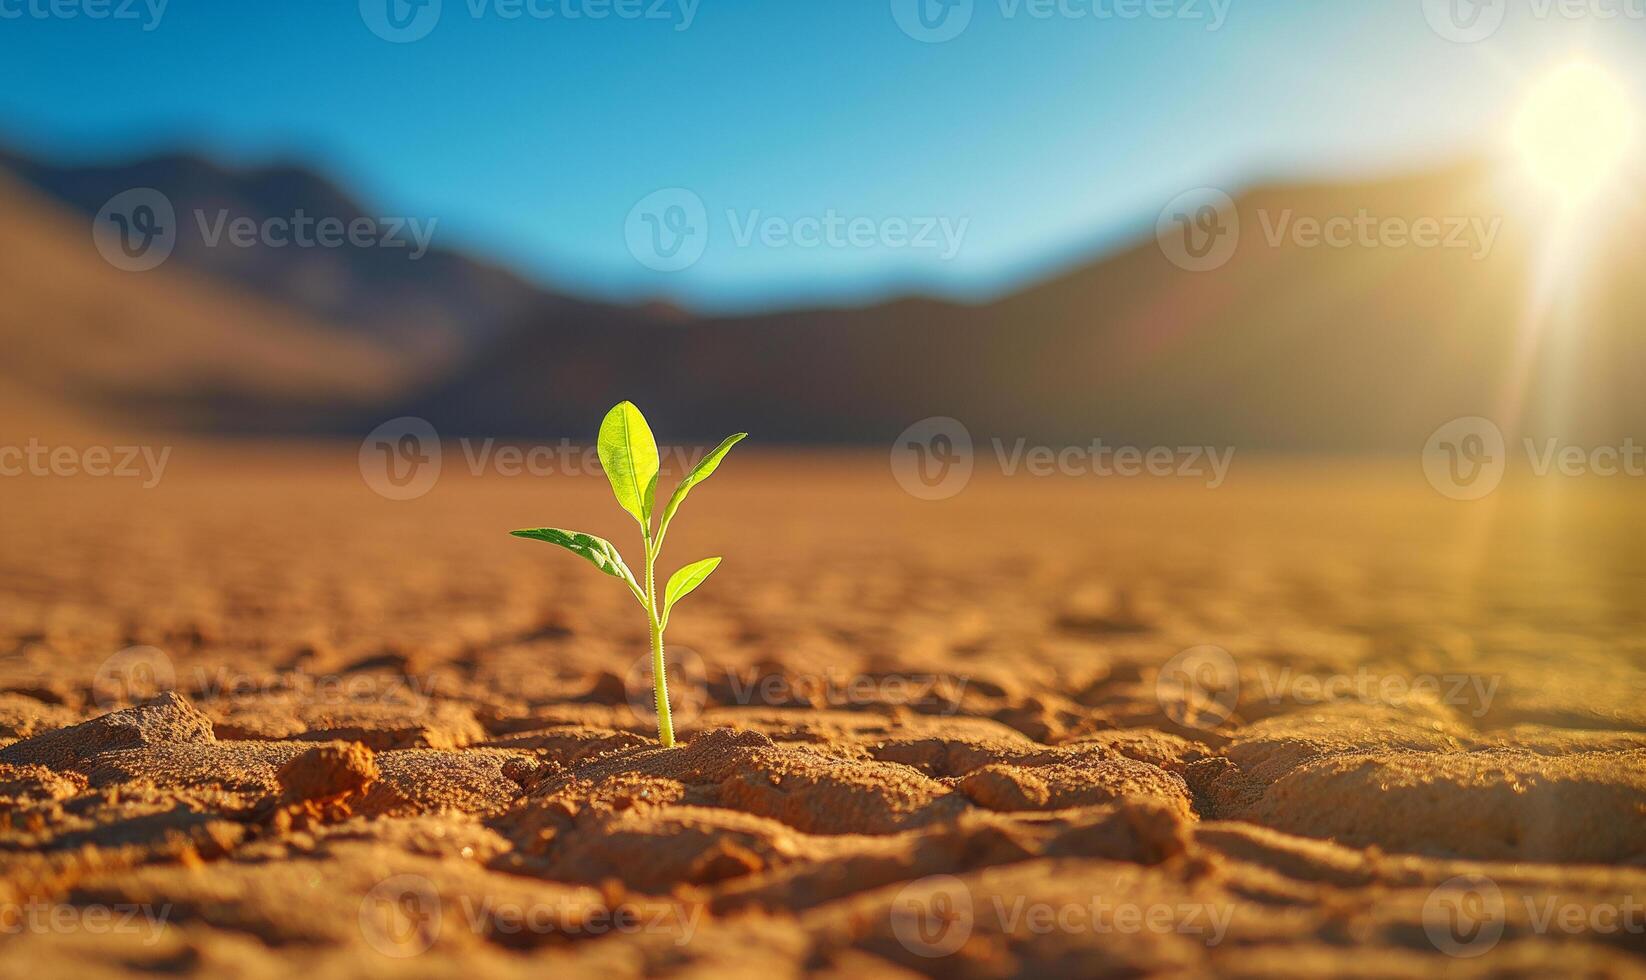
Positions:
(1287, 347)
(90, 346)
(1293, 345)
(413, 295)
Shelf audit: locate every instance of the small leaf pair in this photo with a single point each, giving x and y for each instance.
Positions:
(628, 454)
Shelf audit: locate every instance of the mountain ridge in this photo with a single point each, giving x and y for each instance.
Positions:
(1290, 345)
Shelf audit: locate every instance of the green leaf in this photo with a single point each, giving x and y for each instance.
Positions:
(704, 469)
(650, 502)
(628, 453)
(598, 550)
(682, 583)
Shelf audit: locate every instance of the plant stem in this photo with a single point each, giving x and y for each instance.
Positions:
(660, 679)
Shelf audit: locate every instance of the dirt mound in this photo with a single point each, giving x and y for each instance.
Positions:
(167, 720)
(328, 772)
(1499, 804)
(747, 771)
(380, 723)
(22, 716)
(415, 781)
(248, 768)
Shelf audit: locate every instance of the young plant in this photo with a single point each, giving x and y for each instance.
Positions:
(629, 455)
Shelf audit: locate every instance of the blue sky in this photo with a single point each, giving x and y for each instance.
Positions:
(531, 138)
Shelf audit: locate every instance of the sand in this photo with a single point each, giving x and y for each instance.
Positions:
(259, 721)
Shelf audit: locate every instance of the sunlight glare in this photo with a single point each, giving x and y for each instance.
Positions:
(1575, 132)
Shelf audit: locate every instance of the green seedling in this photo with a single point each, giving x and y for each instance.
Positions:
(629, 455)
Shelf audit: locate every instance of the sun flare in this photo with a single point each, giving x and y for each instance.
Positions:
(1575, 132)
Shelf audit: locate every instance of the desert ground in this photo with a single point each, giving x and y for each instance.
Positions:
(258, 721)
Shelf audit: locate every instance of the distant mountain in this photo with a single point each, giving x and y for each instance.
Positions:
(1294, 344)
(90, 348)
(429, 306)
